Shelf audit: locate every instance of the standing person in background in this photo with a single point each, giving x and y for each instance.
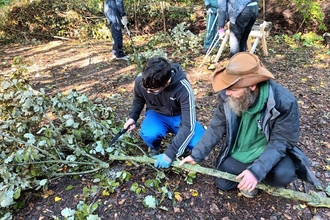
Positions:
(242, 15)
(115, 13)
(170, 108)
(211, 23)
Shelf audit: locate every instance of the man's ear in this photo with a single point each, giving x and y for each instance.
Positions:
(253, 87)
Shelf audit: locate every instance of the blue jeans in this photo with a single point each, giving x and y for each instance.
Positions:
(155, 126)
(280, 175)
(239, 32)
(211, 30)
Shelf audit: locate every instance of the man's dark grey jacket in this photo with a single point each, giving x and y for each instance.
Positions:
(279, 123)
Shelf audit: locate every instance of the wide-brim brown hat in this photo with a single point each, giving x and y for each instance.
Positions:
(243, 69)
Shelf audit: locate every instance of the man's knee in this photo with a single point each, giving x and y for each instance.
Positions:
(283, 177)
(150, 137)
(280, 177)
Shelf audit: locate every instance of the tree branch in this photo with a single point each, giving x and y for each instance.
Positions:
(312, 199)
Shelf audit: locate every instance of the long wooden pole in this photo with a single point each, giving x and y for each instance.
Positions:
(312, 199)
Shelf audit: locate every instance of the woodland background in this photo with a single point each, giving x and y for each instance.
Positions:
(63, 99)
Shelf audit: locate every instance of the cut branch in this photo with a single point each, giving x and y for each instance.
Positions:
(312, 199)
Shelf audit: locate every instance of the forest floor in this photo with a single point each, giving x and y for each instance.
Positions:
(86, 66)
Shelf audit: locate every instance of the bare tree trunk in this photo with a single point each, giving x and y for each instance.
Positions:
(135, 20)
(163, 7)
(264, 9)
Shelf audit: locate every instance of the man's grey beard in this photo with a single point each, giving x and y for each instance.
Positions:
(243, 103)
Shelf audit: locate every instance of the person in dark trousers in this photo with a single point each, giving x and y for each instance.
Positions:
(258, 121)
(170, 108)
(115, 13)
(242, 15)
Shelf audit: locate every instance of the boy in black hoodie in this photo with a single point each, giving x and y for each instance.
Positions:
(170, 108)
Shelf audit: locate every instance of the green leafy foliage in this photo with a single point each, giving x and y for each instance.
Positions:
(135, 187)
(309, 39)
(312, 12)
(184, 39)
(47, 136)
(181, 37)
(42, 19)
(149, 16)
(144, 56)
(84, 211)
(123, 175)
(190, 177)
(327, 190)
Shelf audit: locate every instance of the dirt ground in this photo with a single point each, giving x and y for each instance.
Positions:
(60, 65)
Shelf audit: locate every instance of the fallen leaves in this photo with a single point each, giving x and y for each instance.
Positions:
(47, 193)
(177, 196)
(194, 192)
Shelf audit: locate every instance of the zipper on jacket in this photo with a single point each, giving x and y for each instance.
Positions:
(259, 125)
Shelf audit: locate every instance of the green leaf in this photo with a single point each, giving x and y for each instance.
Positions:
(67, 212)
(5, 84)
(17, 194)
(99, 148)
(27, 104)
(69, 187)
(327, 190)
(93, 217)
(150, 202)
(42, 143)
(6, 198)
(134, 187)
(96, 180)
(43, 182)
(69, 123)
(192, 174)
(105, 193)
(30, 137)
(82, 98)
(149, 183)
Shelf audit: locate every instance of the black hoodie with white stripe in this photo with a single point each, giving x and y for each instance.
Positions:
(175, 99)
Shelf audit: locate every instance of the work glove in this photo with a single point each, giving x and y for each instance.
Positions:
(163, 161)
(221, 32)
(124, 20)
(209, 11)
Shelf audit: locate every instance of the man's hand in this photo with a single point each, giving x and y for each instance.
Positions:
(248, 181)
(188, 159)
(163, 161)
(130, 124)
(124, 20)
(209, 11)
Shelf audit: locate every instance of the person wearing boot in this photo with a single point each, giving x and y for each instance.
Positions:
(242, 15)
(211, 23)
(115, 13)
(170, 108)
(257, 124)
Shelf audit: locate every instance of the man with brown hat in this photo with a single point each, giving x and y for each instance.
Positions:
(259, 121)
